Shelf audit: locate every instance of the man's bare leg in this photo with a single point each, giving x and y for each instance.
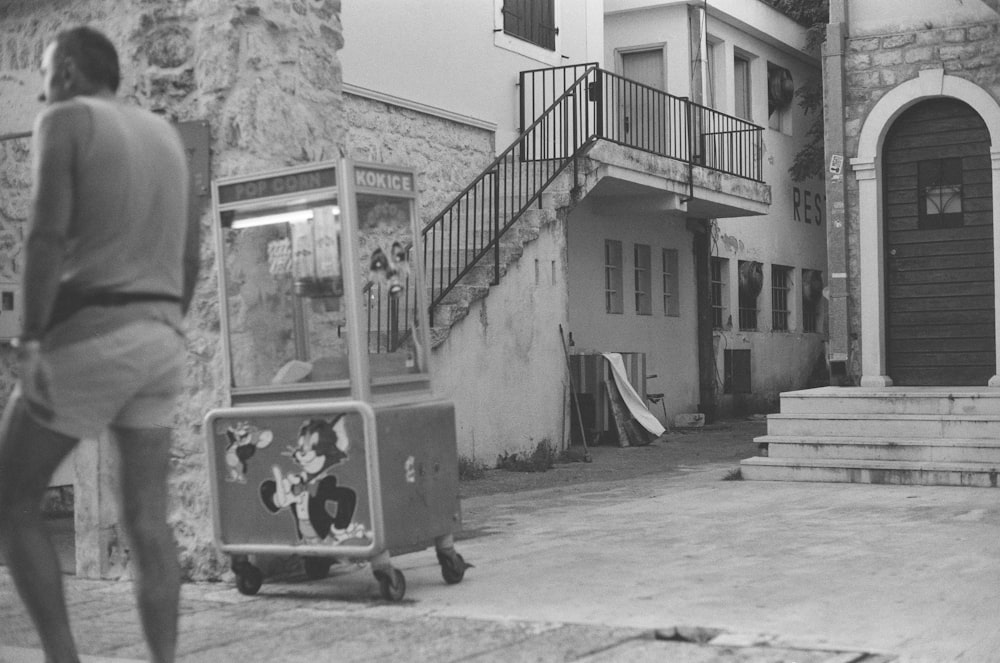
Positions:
(29, 454)
(145, 465)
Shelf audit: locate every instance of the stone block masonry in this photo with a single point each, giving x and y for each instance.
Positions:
(875, 64)
(266, 77)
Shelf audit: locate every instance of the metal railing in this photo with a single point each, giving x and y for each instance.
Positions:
(644, 118)
(469, 229)
(390, 316)
(562, 111)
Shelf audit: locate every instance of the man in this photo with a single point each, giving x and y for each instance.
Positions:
(111, 261)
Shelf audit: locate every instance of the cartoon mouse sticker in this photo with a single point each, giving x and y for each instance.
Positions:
(322, 509)
(244, 439)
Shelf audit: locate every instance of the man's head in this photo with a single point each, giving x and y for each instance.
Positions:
(79, 61)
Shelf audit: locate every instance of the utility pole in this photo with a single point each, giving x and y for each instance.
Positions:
(702, 228)
(838, 331)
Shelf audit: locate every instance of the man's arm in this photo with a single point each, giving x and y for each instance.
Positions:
(55, 138)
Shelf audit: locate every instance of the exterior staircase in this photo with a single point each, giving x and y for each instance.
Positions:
(940, 436)
(476, 283)
(565, 111)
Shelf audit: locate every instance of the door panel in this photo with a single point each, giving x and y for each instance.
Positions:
(939, 250)
(643, 109)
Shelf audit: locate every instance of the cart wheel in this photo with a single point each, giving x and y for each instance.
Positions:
(248, 579)
(317, 568)
(453, 567)
(391, 584)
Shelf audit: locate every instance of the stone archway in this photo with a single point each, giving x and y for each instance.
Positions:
(930, 83)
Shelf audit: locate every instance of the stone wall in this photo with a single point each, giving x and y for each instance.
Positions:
(447, 154)
(874, 64)
(266, 77)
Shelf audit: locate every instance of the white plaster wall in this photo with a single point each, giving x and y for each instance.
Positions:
(443, 53)
(753, 17)
(670, 343)
(790, 234)
(503, 366)
(780, 360)
(665, 25)
(867, 17)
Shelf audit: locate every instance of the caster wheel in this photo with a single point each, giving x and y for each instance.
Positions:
(248, 579)
(391, 584)
(453, 567)
(317, 568)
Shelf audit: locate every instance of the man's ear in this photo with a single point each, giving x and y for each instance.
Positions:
(69, 73)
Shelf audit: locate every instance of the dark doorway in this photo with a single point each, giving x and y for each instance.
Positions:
(939, 247)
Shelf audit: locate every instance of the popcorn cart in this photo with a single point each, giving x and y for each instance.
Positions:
(332, 447)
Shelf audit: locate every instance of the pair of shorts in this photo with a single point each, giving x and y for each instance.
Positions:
(129, 378)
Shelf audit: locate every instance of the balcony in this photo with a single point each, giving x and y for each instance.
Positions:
(653, 149)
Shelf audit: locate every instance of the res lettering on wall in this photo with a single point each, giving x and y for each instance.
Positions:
(807, 206)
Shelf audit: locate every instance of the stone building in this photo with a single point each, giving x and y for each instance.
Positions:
(768, 325)
(912, 94)
(263, 76)
(607, 196)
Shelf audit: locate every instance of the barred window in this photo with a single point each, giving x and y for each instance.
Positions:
(751, 276)
(717, 283)
(812, 298)
(613, 301)
(671, 284)
(781, 283)
(643, 280)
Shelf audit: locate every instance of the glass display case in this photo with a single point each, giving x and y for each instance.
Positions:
(297, 282)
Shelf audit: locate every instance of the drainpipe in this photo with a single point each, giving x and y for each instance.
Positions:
(701, 228)
(839, 328)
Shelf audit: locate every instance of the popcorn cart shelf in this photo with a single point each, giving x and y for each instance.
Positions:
(333, 446)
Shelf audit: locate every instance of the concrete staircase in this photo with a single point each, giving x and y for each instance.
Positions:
(941, 436)
(476, 285)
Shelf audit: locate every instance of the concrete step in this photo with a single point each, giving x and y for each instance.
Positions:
(971, 450)
(980, 475)
(885, 425)
(892, 400)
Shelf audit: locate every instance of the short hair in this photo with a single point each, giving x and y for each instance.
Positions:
(94, 54)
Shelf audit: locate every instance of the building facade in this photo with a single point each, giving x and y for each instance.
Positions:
(767, 271)
(918, 93)
(912, 99)
(601, 234)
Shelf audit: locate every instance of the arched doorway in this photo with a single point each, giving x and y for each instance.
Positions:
(938, 246)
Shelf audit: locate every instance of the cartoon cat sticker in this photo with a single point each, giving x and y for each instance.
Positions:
(311, 491)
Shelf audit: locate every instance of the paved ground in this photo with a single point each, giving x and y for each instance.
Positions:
(633, 557)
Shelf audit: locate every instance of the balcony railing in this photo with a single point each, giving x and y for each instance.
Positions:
(564, 110)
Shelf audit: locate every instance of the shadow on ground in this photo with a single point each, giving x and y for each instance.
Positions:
(724, 442)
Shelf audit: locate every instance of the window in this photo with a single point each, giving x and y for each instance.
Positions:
(711, 96)
(613, 302)
(780, 92)
(741, 89)
(751, 280)
(781, 284)
(717, 282)
(940, 190)
(531, 20)
(671, 284)
(643, 280)
(812, 299)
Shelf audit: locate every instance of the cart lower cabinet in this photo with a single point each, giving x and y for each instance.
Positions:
(344, 480)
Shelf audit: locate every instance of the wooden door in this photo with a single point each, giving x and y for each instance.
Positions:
(939, 247)
(643, 108)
